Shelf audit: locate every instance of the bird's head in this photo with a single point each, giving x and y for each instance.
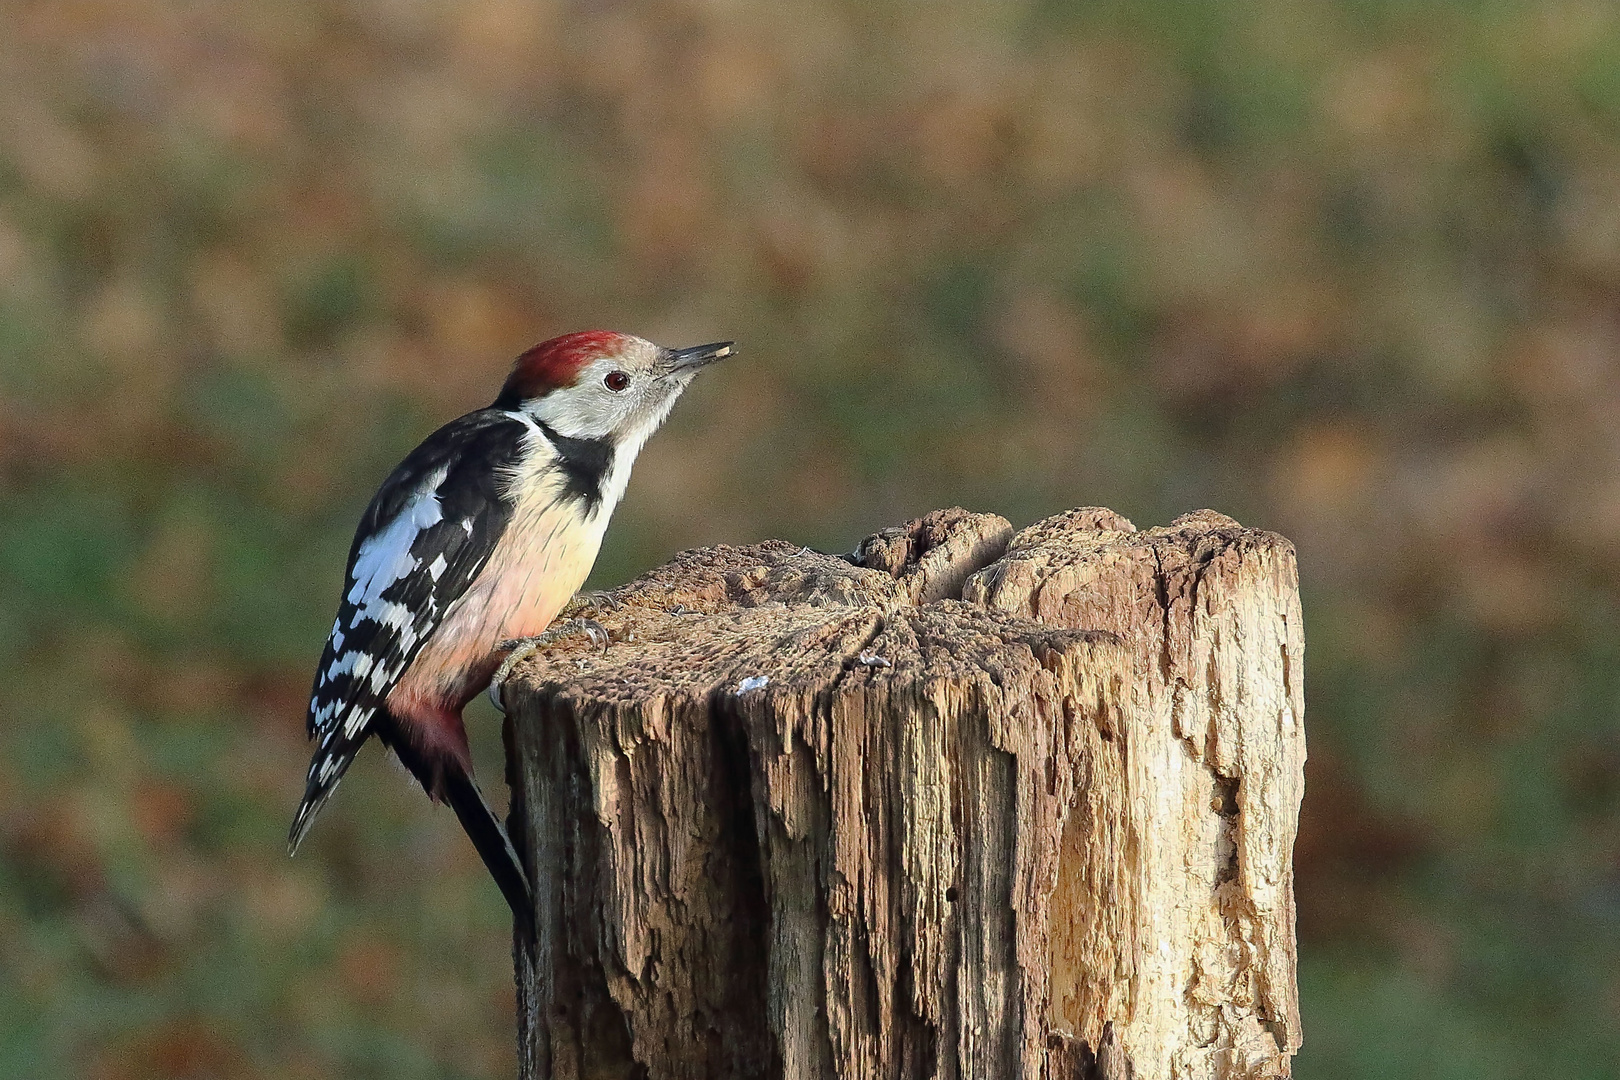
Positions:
(601, 385)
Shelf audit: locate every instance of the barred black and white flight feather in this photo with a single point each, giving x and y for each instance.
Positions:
(421, 542)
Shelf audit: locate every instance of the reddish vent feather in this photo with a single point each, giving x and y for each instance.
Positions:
(554, 364)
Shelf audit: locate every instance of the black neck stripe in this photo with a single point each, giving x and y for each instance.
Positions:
(584, 464)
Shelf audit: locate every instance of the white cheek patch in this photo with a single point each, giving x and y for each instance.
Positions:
(630, 444)
(588, 409)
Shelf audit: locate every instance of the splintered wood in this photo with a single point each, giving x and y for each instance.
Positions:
(968, 803)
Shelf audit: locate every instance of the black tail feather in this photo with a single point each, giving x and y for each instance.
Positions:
(489, 836)
(452, 785)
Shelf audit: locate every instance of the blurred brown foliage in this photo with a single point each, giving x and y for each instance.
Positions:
(1347, 270)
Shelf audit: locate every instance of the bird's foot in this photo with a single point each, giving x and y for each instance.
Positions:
(521, 649)
(590, 601)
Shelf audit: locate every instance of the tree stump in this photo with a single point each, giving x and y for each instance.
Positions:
(965, 803)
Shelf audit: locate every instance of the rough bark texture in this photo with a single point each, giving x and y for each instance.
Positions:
(968, 803)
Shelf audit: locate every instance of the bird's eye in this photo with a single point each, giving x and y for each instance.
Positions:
(616, 381)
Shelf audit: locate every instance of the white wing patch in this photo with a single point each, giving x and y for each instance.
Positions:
(386, 557)
(381, 561)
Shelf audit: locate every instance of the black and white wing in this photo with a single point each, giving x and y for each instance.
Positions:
(427, 533)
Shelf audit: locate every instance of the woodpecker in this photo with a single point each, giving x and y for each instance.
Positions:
(474, 544)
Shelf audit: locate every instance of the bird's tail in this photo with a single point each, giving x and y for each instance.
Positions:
(324, 773)
(453, 785)
(494, 846)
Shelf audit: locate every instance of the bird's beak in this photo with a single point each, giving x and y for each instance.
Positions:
(682, 360)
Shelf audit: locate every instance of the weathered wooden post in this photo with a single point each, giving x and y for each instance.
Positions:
(974, 804)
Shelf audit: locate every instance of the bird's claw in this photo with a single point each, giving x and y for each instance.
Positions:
(590, 601)
(520, 649)
(595, 631)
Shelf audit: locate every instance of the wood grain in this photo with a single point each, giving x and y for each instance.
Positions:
(815, 816)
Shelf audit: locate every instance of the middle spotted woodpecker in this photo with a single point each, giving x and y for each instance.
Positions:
(480, 537)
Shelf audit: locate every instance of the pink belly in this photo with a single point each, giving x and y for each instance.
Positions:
(539, 563)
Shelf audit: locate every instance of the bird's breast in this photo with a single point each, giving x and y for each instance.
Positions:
(542, 558)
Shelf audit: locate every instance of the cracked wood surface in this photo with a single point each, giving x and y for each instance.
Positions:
(968, 802)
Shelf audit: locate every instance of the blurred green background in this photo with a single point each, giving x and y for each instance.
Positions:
(1350, 271)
